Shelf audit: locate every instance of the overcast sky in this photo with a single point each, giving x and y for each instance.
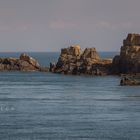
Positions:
(49, 25)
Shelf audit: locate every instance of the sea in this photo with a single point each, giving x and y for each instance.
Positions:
(46, 106)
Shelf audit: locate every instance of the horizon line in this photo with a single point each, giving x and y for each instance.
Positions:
(42, 51)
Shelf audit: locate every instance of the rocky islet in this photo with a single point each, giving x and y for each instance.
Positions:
(23, 63)
(73, 60)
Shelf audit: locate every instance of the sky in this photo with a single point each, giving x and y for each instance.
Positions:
(49, 25)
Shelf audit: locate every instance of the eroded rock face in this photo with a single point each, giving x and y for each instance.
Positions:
(73, 61)
(132, 40)
(129, 59)
(30, 60)
(72, 50)
(90, 53)
(24, 63)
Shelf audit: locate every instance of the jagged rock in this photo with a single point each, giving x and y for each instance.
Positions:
(129, 59)
(24, 63)
(29, 59)
(73, 61)
(52, 67)
(90, 53)
(71, 51)
(125, 81)
(26, 66)
(132, 40)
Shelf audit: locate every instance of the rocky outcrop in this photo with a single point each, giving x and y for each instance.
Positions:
(73, 61)
(126, 81)
(128, 61)
(23, 63)
(90, 53)
(30, 60)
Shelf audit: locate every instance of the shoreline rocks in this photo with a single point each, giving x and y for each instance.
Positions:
(23, 63)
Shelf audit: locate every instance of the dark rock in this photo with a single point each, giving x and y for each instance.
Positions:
(126, 81)
(52, 67)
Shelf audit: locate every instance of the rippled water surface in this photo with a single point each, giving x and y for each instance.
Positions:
(45, 106)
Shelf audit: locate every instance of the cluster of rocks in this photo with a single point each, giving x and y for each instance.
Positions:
(128, 62)
(23, 63)
(74, 61)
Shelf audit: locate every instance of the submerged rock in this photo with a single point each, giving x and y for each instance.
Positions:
(73, 61)
(126, 81)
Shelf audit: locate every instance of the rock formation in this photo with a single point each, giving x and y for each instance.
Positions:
(30, 60)
(128, 61)
(73, 61)
(125, 81)
(24, 63)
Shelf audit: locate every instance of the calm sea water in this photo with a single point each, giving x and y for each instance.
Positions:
(45, 106)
